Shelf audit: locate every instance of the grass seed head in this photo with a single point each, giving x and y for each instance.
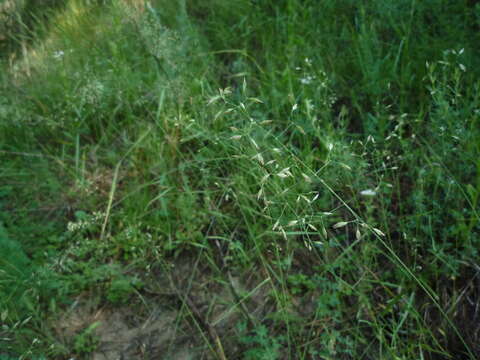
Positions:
(368, 192)
(340, 224)
(379, 232)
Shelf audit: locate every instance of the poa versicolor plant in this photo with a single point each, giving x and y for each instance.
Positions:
(280, 179)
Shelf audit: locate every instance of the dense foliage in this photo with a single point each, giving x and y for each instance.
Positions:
(330, 150)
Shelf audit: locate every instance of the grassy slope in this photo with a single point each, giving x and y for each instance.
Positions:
(118, 148)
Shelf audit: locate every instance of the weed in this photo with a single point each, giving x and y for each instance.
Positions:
(331, 146)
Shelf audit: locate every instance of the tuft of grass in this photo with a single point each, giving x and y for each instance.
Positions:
(329, 151)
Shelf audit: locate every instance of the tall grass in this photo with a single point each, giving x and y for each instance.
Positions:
(331, 146)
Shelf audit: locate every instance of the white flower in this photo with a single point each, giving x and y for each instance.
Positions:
(307, 79)
(58, 54)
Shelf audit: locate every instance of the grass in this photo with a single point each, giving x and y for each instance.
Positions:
(314, 166)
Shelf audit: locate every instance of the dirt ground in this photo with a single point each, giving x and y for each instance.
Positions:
(186, 314)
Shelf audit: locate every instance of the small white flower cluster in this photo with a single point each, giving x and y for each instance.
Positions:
(320, 80)
(58, 54)
(92, 93)
(307, 79)
(98, 216)
(77, 226)
(94, 219)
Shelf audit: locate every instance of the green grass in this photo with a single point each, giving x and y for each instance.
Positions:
(328, 150)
